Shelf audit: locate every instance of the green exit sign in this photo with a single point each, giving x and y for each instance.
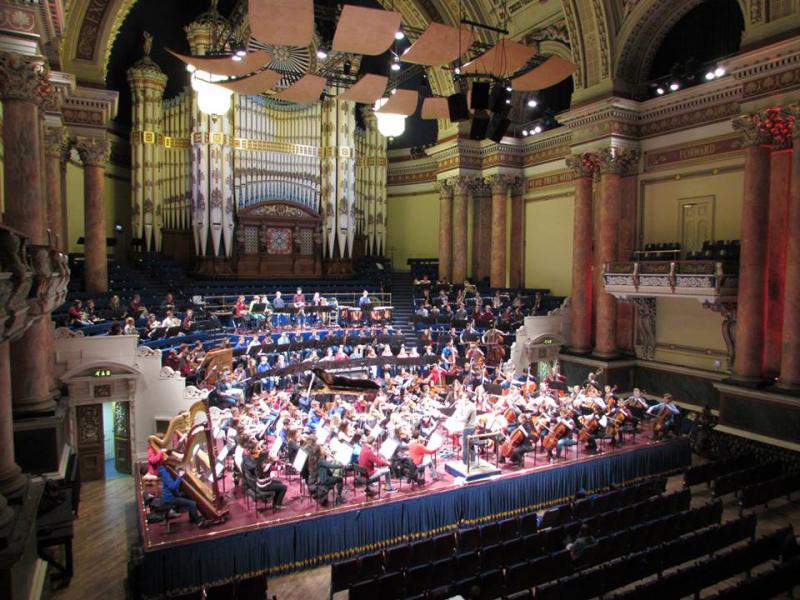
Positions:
(102, 373)
(547, 341)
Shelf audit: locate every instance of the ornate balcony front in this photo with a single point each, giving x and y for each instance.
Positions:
(709, 282)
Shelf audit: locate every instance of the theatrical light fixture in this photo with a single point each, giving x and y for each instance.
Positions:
(674, 86)
(321, 54)
(508, 88)
(389, 124)
(537, 129)
(395, 66)
(532, 103)
(236, 57)
(457, 71)
(399, 35)
(191, 68)
(240, 52)
(660, 91)
(524, 133)
(719, 72)
(710, 75)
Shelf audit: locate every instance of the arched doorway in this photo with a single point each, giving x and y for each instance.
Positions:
(100, 421)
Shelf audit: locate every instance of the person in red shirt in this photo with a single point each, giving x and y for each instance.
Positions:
(369, 460)
(417, 452)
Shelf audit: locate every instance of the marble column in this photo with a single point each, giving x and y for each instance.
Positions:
(445, 229)
(94, 155)
(614, 164)
(66, 150)
(627, 244)
(751, 298)
(12, 482)
(497, 266)
(777, 233)
(53, 151)
(790, 355)
(485, 234)
(475, 202)
(517, 247)
(25, 208)
(580, 340)
(460, 186)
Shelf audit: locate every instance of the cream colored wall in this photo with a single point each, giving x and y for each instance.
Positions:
(548, 243)
(686, 333)
(412, 227)
(117, 191)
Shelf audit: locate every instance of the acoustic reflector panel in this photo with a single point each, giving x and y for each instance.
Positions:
(367, 89)
(305, 90)
(439, 45)
(368, 31)
(250, 62)
(282, 22)
(552, 71)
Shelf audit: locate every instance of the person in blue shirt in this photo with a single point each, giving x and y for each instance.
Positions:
(172, 496)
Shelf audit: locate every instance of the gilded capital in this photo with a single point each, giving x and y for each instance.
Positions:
(777, 124)
(500, 184)
(93, 151)
(54, 140)
(518, 186)
(445, 190)
(749, 126)
(585, 164)
(461, 184)
(20, 76)
(620, 161)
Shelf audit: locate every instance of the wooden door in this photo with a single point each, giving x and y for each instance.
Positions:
(697, 220)
(122, 437)
(91, 453)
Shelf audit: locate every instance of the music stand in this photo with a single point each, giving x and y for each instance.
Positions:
(173, 331)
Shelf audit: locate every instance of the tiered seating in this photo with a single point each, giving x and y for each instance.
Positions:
(704, 473)
(763, 492)
(765, 585)
(732, 482)
(660, 251)
(716, 250)
(715, 569)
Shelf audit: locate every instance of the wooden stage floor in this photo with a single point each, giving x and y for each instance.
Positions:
(244, 516)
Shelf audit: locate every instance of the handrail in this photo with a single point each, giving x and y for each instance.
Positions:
(226, 302)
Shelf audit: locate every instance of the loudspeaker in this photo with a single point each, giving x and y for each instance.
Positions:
(480, 95)
(498, 127)
(457, 105)
(480, 123)
(497, 101)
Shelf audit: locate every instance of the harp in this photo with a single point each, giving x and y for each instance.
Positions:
(174, 438)
(200, 483)
(214, 363)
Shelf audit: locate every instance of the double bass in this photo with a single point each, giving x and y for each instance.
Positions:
(495, 351)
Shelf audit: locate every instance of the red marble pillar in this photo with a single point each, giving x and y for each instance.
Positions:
(53, 151)
(627, 244)
(615, 163)
(582, 268)
(94, 155)
(475, 201)
(751, 298)
(64, 207)
(445, 230)
(497, 268)
(779, 177)
(460, 186)
(12, 482)
(485, 242)
(517, 259)
(790, 356)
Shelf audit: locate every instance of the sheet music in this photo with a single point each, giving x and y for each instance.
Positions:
(276, 446)
(300, 460)
(322, 435)
(223, 454)
(343, 454)
(434, 443)
(279, 427)
(388, 447)
(452, 426)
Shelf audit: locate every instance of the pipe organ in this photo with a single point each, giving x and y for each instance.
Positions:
(192, 176)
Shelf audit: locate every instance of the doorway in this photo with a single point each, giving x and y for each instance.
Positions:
(696, 222)
(103, 436)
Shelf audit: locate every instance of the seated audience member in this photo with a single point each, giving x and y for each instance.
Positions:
(115, 309)
(116, 328)
(188, 320)
(135, 307)
(76, 314)
(581, 543)
(130, 327)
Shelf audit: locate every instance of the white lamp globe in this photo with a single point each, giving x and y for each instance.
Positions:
(212, 99)
(389, 124)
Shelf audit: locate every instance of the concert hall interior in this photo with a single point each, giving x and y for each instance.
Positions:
(399, 299)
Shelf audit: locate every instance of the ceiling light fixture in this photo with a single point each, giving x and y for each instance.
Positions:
(719, 72)
(710, 75)
(660, 91)
(321, 54)
(674, 86)
(399, 35)
(532, 103)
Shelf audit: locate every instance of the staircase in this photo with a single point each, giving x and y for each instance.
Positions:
(402, 286)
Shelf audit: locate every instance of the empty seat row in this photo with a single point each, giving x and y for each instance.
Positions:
(732, 482)
(705, 472)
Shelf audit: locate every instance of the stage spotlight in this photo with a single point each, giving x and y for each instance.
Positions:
(524, 133)
(710, 75)
(660, 91)
(236, 58)
(399, 35)
(719, 72)
(532, 103)
(674, 86)
(537, 129)
(241, 52)
(321, 54)
(395, 66)
(508, 89)
(457, 71)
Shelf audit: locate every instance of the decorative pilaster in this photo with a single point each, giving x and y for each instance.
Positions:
(460, 186)
(790, 355)
(614, 164)
(585, 166)
(445, 229)
(497, 270)
(54, 138)
(484, 200)
(751, 298)
(517, 246)
(94, 153)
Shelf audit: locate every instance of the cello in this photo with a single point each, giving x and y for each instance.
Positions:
(513, 441)
(495, 352)
(551, 439)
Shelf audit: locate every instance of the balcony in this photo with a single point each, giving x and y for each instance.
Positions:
(709, 282)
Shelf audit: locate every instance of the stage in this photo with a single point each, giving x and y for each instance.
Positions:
(303, 535)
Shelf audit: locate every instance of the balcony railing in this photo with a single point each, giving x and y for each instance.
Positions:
(706, 281)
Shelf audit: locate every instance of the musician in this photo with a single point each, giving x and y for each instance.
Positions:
(668, 410)
(279, 303)
(528, 442)
(469, 334)
(258, 468)
(188, 320)
(466, 415)
(172, 496)
(567, 439)
(368, 460)
(170, 320)
(299, 302)
(256, 317)
(460, 313)
(168, 303)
